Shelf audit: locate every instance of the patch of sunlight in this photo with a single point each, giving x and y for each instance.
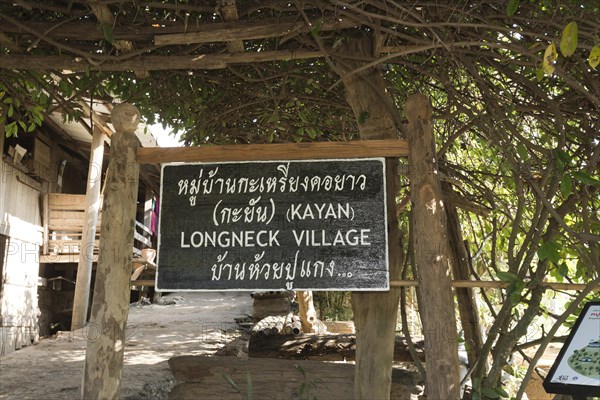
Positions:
(147, 357)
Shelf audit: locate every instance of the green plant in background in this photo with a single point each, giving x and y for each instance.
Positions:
(307, 391)
(333, 306)
(249, 387)
(309, 388)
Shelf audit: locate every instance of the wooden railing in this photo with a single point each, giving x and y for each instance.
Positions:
(63, 218)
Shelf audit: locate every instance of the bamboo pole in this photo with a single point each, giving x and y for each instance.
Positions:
(81, 298)
(106, 337)
(496, 284)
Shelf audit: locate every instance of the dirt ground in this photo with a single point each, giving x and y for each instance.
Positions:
(198, 323)
(192, 324)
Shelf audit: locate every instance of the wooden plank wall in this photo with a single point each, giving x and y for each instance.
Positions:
(65, 214)
(20, 211)
(19, 300)
(21, 230)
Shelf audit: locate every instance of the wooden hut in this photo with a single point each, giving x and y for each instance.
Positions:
(43, 178)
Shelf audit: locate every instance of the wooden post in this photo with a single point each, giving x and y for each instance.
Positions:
(306, 307)
(106, 330)
(431, 253)
(375, 313)
(86, 247)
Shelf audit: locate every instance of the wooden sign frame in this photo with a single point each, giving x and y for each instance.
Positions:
(197, 232)
(358, 149)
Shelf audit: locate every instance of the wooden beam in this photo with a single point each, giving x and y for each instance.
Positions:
(251, 31)
(496, 284)
(229, 13)
(142, 282)
(63, 258)
(175, 33)
(150, 63)
(278, 151)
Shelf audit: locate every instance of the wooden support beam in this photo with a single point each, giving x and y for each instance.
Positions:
(229, 13)
(189, 62)
(142, 282)
(496, 284)
(104, 353)
(394, 148)
(436, 301)
(81, 298)
(150, 63)
(175, 33)
(251, 31)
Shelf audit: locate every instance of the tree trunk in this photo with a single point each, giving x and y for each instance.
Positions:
(106, 330)
(467, 308)
(86, 248)
(374, 312)
(431, 254)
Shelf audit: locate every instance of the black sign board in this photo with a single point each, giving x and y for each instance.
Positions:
(318, 225)
(576, 370)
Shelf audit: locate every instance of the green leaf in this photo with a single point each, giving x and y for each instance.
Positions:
(506, 276)
(585, 178)
(491, 393)
(514, 297)
(338, 42)
(299, 368)
(362, 117)
(302, 390)
(502, 392)
(594, 59)
(522, 151)
(316, 29)
(514, 291)
(563, 269)
(550, 250)
(11, 129)
(512, 7)
(231, 383)
(564, 157)
(108, 33)
(568, 40)
(550, 56)
(566, 185)
(539, 74)
(11, 111)
(249, 386)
